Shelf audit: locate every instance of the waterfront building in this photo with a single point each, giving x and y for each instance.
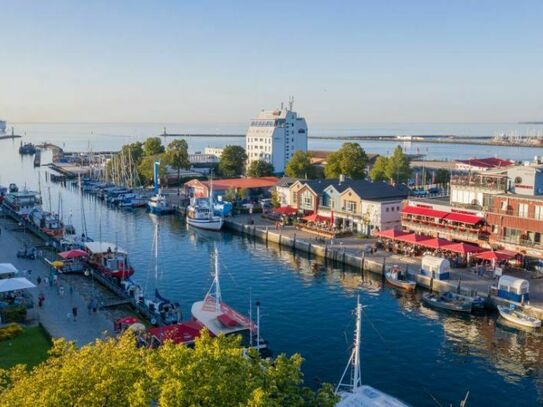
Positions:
(482, 164)
(205, 158)
(275, 135)
(282, 189)
(216, 151)
(254, 187)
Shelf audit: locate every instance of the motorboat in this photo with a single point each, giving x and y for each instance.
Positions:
(109, 259)
(447, 301)
(515, 315)
(27, 148)
(48, 222)
(163, 309)
(23, 202)
(351, 390)
(398, 278)
(201, 212)
(158, 204)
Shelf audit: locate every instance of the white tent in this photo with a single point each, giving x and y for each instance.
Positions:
(13, 284)
(103, 247)
(7, 268)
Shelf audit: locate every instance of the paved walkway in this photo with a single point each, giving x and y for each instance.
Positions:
(355, 246)
(55, 315)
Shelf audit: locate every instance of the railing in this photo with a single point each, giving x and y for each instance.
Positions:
(468, 234)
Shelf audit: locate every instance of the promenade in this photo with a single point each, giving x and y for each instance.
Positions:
(355, 246)
(55, 314)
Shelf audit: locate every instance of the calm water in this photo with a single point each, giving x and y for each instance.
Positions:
(414, 353)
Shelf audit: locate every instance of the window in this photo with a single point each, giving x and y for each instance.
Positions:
(538, 212)
(523, 210)
(350, 206)
(387, 209)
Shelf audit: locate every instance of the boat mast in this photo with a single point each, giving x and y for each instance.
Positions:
(354, 360)
(211, 195)
(218, 298)
(156, 177)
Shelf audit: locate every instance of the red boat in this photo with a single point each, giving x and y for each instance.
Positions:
(109, 259)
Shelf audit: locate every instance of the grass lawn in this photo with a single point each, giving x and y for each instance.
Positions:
(29, 348)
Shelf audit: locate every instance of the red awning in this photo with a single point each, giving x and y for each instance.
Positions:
(285, 210)
(412, 238)
(227, 321)
(435, 243)
(316, 218)
(73, 254)
(463, 248)
(183, 332)
(463, 218)
(391, 233)
(492, 255)
(127, 321)
(417, 210)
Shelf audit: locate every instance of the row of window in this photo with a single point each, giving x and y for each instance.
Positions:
(523, 209)
(252, 147)
(266, 140)
(392, 208)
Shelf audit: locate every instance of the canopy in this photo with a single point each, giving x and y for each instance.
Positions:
(463, 248)
(492, 255)
(412, 238)
(73, 254)
(7, 268)
(435, 243)
(418, 210)
(463, 218)
(391, 233)
(103, 247)
(316, 218)
(285, 210)
(518, 284)
(183, 332)
(13, 284)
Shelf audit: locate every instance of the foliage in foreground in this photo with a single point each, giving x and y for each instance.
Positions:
(114, 372)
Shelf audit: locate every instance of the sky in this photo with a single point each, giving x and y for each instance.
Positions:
(349, 62)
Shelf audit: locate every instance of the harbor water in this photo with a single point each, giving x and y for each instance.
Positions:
(419, 355)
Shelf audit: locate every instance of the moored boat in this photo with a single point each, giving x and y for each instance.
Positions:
(158, 204)
(21, 202)
(48, 222)
(514, 315)
(200, 212)
(109, 259)
(27, 148)
(398, 278)
(447, 301)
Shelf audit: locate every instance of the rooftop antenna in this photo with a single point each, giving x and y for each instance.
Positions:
(290, 103)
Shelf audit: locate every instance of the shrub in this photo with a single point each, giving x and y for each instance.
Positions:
(13, 314)
(10, 331)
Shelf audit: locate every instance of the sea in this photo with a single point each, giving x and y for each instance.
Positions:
(421, 356)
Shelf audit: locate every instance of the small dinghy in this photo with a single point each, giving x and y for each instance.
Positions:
(517, 317)
(398, 278)
(447, 301)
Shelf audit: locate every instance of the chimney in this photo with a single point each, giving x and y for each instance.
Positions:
(341, 179)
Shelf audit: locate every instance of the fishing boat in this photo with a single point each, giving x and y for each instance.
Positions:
(351, 390)
(109, 259)
(48, 222)
(200, 213)
(514, 315)
(27, 148)
(163, 309)
(398, 278)
(219, 318)
(447, 301)
(157, 204)
(21, 203)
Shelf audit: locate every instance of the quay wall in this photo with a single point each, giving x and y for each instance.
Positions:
(373, 265)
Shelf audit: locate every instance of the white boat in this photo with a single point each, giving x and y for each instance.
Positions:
(158, 203)
(219, 318)
(200, 213)
(398, 278)
(21, 202)
(517, 317)
(353, 392)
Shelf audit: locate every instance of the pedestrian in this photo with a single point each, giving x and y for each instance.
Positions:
(74, 312)
(46, 281)
(39, 281)
(41, 299)
(61, 290)
(55, 279)
(89, 307)
(94, 305)
(71, 291)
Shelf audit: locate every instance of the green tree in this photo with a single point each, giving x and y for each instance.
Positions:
(300, 166)
(135, 150)
(177, 156)
(232, 161)
(275, 201)
(231, 195)
(153, 146)
(260, 168)
(398, 169)
(379, 170)
(442, 176)
(350, 160)
(146, 168)
(115, 372)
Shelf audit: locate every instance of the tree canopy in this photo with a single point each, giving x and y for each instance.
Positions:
(299, 165)
(398, 169)
(153, 146)
(232, 161)
(442, 176)
(177, 155)
(350, 160)
(115, 372)
(146, 168)
(260, 168)
(379, 170)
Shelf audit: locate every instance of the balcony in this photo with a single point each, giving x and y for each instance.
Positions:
(454, 232)
(479, 181)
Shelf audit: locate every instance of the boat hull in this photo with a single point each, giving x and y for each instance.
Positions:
(433, 302)
(157, 210)
(403, 284)
(206, 224)
(511, 317)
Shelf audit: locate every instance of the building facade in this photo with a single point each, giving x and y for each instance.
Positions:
(274, 136)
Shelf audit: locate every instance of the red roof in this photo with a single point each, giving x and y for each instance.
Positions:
(418, 210)
(391, 233)
(73, 254)
(463, 218)
(435, 243)
(489, 162)
(492, 255)
(412, 238)
(286, 210)
(316, 218)
(183, 332)
(463, 248)
(236, 183)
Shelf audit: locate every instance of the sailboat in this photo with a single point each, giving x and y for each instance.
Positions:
(219, 318)
(158, 204)
(353, 392)
(200, 212)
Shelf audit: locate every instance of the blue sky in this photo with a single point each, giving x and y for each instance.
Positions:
(204, 61)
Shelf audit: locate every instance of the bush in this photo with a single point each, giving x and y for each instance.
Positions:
(10, 331)
(13, 314)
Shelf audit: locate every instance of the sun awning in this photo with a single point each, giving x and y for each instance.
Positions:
(492, 255)
(13, 284)
(391, 233)
(463, 218)
(463, 248)
(412, 238)
(428, 212)
(73, 254)
(285, 210)
(7, 268)
(316, 218)
(435, 243)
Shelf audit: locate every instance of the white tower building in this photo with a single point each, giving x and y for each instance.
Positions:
(275, 135)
